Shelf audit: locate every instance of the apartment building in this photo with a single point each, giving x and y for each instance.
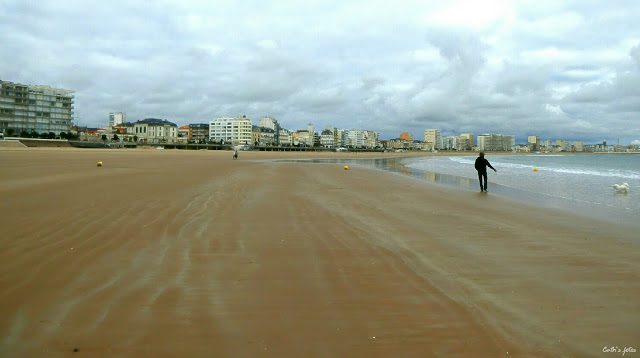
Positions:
(357, 138)
(327, 139)
(533, 142)
(235, 131)
(302, 137)
(466, 141)
(263, 136)
(184, 133)
(117, 118)
(284, 137)
(496, 142)
(199, 132)
(271, 123)
(564, 145)
(31, 108)
(432, 139)
(154, 130)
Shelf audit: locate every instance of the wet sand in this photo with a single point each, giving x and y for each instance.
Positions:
(192, 254)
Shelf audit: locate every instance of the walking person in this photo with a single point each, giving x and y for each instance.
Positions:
(235, 154)
(481, 166)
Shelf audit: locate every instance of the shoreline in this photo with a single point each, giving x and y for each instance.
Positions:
(516, 196)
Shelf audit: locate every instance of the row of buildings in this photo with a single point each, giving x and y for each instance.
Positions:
(43, 109)
(234, 131)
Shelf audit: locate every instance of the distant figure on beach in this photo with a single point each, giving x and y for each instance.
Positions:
(235, 154)
(481, 167)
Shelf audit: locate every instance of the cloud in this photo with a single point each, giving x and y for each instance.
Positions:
(561, 70)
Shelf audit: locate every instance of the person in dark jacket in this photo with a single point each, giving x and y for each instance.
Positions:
(481, 167)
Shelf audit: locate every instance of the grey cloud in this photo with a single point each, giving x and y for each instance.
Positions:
(345, 64)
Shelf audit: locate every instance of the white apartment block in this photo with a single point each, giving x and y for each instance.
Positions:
(578, 146)
(449, 143)
(496, 142)
(231, 130)
(117, 118)
(432, 138)
(285, 137)
(40, 109)
(357, 138)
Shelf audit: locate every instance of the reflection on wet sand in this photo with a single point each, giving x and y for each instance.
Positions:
(397, 165)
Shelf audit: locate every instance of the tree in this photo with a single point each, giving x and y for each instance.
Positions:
(10, 132)
(135, 138)
(24, 134)
(104, 137)
(115, 137)
(63, 135)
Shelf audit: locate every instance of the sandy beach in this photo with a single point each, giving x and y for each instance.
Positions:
(167, 253)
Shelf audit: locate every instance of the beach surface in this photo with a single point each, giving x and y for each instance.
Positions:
(167, 253)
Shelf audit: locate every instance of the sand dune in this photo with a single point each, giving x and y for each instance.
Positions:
(191, 254)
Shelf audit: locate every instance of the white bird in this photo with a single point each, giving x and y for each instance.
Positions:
(621, 188)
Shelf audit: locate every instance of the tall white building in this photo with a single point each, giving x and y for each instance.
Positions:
(30, 108)
(231, 130)
(117, 118)
(432, 138)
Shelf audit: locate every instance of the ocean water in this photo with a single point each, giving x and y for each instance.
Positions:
(581, 184)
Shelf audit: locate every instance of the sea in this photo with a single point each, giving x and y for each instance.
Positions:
(578, 183)
(581, 184)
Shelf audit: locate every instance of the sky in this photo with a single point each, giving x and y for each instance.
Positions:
(566, 70)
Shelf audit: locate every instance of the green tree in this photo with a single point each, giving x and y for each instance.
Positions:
(135, 138)
(104, 137)
(10, 132)
(115, 137)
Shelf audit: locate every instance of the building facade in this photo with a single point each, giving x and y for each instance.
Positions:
(496, 142)
(117, 118)
(284, 137)
(199, 132)
(153, 130)
(533, 141)
(236, 131)
(29, 108)
(432, 139)
(466, 141)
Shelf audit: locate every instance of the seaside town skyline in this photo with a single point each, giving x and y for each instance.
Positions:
(36, 110)
(567, 70)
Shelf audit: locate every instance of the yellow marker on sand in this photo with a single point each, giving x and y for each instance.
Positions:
(535, 169)
(346, 167)
(99, 164)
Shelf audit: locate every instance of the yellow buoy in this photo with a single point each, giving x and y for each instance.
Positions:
(99, 164)
(535, 169)
(346, 167)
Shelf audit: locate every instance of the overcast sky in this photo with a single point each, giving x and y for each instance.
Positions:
(558, 69)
